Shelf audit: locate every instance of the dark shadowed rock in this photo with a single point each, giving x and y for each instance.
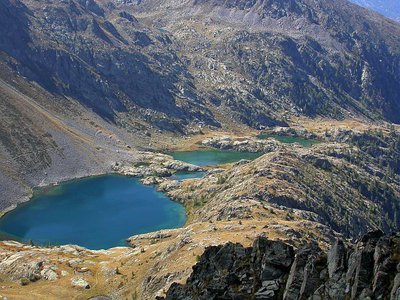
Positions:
(273, 270)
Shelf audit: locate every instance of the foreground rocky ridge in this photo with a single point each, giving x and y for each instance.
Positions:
(368, 269)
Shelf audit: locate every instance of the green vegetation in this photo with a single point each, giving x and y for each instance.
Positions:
(34, 277)
(221, 179)
(24, 281)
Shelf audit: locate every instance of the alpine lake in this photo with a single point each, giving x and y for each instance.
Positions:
(101, 212)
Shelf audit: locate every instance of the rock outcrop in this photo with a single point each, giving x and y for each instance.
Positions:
(368, 269)
(152, 166)
(248, 144)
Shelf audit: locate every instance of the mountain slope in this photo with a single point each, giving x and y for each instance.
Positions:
(173, 63)
(138, 67)
(285, 58)
(105, 60)
(44, 139)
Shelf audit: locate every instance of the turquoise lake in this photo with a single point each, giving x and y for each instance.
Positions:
(213, 157)
(95, 212)
(101, 212)
(290, 139)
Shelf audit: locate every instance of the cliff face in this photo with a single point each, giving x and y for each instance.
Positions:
(369, 269)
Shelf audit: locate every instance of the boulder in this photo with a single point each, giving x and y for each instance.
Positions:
(79, 282)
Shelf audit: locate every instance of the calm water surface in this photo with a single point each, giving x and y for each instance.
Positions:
(290, 139)
(187, 175)
(213, 157)
(96, 212)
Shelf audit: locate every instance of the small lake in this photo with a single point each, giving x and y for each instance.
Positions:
(187, 175)
(213, 157)
(289, 139)
(95, 212)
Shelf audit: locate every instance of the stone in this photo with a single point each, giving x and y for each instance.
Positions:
(49, 274)
(337, 259)
(75, 262)
(80, 283)
(264, 293)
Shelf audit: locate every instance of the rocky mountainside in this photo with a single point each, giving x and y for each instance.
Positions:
(80, 84)
(102, 57)
(268, 60)
(368, 269)
(45, 139)
(388, 8)
(128, 69)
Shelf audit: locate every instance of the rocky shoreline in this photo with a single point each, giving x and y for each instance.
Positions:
(145, 165)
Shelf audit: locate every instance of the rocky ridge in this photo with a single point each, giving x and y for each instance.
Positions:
(352, 187)
(243, 145)
(368, 269)
(147, 268)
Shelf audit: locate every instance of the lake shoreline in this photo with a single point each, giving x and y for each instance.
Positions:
(118, 199)
(200, 149)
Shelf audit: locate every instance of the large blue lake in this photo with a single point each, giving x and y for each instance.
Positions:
(102, 211)
(96, 212)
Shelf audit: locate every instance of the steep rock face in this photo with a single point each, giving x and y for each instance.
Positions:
(273, 270)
